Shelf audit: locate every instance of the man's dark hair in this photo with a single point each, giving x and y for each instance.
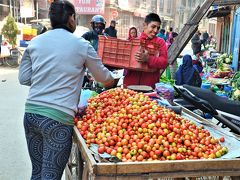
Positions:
(171, 29)
(152, 17)
(162, 31)
(59, 12)
(175, 34)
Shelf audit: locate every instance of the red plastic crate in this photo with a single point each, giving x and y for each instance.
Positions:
(120, 53)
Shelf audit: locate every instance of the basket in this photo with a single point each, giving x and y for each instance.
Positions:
(120, 53)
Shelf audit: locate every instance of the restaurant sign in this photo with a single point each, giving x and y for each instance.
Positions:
(89, 6)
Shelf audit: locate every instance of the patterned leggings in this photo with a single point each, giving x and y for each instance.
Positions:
(49, 146)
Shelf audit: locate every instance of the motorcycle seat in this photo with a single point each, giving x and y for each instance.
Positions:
(217, 102)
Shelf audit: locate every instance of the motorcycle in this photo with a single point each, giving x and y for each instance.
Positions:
(225, 111)
(91, 84)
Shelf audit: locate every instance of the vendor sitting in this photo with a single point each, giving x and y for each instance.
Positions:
(187, 74)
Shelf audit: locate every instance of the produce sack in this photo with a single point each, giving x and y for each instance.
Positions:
(165, 90)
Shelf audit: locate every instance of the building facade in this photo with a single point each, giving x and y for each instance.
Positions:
(9, 6)
(127, 13)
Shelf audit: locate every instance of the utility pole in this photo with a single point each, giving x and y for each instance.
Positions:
(10, 6)
(37, 9)
(17, 15)
(14, 9)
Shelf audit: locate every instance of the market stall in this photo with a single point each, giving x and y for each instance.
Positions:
(146, 170)
(93, 164)
(221, 76)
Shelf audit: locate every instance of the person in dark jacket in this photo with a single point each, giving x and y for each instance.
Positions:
(111, 30)
(196, 43)
(98, 24)
(187, 74)
(205, 38)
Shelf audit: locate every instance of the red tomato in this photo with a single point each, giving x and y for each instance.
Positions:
(101, 149)
(222, 139)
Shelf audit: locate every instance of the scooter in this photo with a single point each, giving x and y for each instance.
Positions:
(225, 111)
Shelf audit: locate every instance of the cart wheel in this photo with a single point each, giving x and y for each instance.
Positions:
(14, 59)
(11, 62)
(75, 163)
(85, 174)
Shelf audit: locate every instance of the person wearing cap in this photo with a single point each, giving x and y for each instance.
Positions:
(98, 24)
(111, 30)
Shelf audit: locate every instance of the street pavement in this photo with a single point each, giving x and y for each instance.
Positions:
(14, 160)
(15, 163)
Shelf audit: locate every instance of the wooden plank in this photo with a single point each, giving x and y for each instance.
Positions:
(68, 174)
(197, 167)
(193, 167)
(85, 152)
(176, 169)
(226, 2)
(91, 164)
(187, 31)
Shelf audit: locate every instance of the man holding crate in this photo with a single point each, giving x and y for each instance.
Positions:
(153, 52)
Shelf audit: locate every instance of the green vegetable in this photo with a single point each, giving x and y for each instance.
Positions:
(164, 79)
(228, 60)
(235, 83)
(236, 95)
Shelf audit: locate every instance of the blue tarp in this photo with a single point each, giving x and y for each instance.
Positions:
(236, 39)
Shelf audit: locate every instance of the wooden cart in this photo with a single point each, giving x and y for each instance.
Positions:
(86, 167)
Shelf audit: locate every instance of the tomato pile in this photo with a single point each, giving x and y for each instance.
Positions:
(133, 127)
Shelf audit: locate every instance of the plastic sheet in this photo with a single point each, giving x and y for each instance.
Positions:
(232, 142)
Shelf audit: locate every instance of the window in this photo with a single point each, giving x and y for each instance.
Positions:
(144, 4)
(161, 5)
(169, 6)
(181, 18)
(204, 22)
(190, 4)
(184, 3)
(137, 3)
(124, 24)
(153, 6)
(212, 29)
(193, 3)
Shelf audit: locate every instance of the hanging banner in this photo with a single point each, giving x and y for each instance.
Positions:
(89, 6)
(26, 8)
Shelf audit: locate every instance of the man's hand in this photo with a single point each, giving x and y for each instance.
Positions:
(81, 111)
(142, 56)
(113, 84)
